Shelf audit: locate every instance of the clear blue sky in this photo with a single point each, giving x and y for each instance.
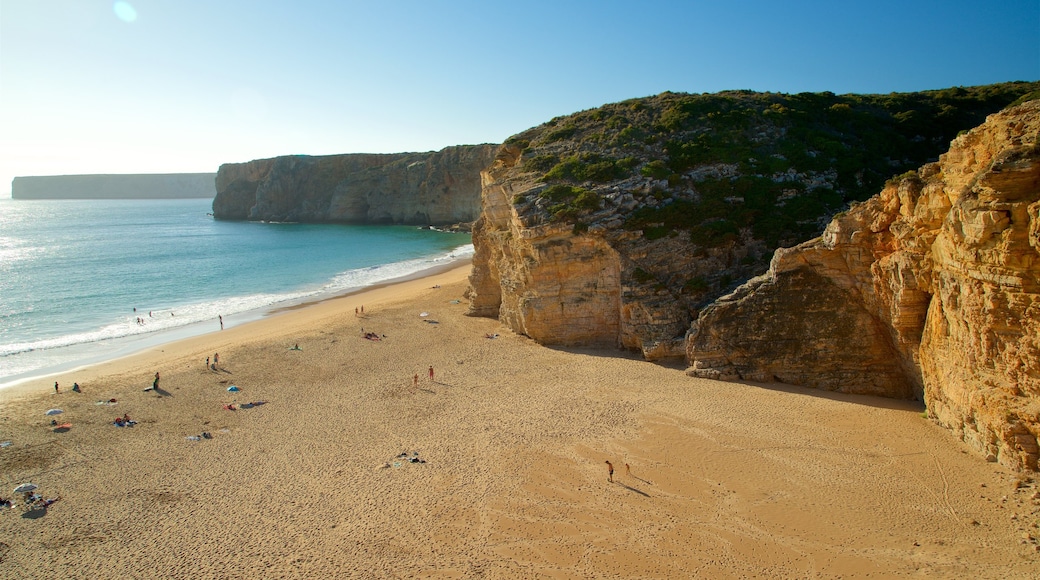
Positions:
(163, 86)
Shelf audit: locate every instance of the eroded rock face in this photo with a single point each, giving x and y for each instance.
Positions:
(931, 290)
(436, 188)
(534, 277)
(619, 225)
(542, 280)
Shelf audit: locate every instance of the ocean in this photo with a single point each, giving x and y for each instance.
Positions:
(88, 280)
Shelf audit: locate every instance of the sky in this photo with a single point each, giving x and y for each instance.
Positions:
(177, 86)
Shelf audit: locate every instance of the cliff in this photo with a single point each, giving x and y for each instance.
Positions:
(124, 186)
(436, 188)
(931, 289)
(616, 226)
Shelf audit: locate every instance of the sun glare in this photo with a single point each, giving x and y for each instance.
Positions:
(124, 11)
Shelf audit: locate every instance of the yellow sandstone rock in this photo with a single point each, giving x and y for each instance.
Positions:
(929, 289)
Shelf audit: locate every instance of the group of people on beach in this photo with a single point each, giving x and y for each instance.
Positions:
(415, 379)
(32, 500)
(75, 388)
(141, 321)
(124, 421)
(610, 471)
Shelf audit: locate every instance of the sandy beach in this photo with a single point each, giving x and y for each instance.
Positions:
(494, 468)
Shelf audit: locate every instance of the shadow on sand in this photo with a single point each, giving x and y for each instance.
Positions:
(632, 489)
(915, 406)
(35, 513)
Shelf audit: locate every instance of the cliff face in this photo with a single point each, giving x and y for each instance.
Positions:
(930, 289)
(618, 225)
(580, 285)
(116, 186)
(437, 188)
(544, 281)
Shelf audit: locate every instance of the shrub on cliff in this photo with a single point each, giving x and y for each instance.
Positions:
(591, 167)
(569, 202)
(739, 167)
(656, 169)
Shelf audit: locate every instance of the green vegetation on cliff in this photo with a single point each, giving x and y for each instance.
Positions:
(695, 192)
(737, 168)
(777, 165)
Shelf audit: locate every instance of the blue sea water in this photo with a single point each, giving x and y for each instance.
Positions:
(73, 271)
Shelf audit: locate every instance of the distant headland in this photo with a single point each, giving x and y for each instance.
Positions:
(122, 186)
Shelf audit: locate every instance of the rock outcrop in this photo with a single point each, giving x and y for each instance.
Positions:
(616, 226)
(115, 186)
(931, 289)
(436, 188)
(542, 280)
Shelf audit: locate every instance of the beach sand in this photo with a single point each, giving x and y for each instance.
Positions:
(494, 469)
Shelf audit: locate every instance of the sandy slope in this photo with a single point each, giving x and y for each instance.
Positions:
(727, 480)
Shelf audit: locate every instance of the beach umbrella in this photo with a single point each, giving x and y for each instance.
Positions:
(232, 388)
(54, 412)
(25, 487)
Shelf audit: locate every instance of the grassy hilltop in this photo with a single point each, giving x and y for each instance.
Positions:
(775, 166)
(625, 221)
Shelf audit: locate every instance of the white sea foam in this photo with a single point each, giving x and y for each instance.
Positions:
(21, 358)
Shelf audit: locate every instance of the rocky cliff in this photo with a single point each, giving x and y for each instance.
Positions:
(436, 188)
(116, 186)
(929, 289)
(618, 225)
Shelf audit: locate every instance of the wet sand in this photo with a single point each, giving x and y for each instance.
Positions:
(493, 469)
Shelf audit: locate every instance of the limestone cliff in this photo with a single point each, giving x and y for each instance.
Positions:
(544, 281)
(618, 225)
(437, 188)
(929, 289)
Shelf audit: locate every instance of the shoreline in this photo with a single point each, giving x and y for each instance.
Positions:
(49, 328)
(41, 382)
(436, 451)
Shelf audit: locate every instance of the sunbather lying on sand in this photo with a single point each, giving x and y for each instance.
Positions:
(42, 503)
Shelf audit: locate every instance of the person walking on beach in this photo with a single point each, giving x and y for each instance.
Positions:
(216, 360)
(55, 387)
(431, 373)
(207, 362)
(415, 381)
(221, 317)
(610, 472)
(155, 383)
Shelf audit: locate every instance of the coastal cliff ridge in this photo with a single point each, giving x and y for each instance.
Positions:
(440, 188)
